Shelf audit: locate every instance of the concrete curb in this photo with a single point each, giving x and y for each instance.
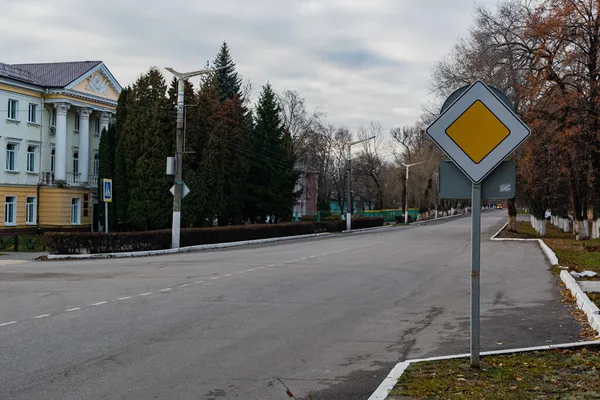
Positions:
(583, 301)
(384, 389)
(182, 249)
(375, 228)
(437, 219)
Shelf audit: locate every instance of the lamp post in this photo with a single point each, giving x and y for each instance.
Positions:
(178, 182)
(349, 176)
(407, 166)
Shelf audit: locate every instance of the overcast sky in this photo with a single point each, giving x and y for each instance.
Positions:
(360, 60)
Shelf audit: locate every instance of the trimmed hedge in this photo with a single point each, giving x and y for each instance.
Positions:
(116, 242)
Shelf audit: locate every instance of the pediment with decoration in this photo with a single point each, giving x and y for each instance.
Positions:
(98, 82)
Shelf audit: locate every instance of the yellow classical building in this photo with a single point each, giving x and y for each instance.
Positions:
(54, 114)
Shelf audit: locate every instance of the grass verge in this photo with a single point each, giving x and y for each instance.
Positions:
(549, 374)
(526, 231)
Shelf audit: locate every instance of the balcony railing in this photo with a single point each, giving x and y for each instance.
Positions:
(47, 178)
(73, 179)
(93, 180)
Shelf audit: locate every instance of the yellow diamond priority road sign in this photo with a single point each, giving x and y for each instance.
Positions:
(478, 131)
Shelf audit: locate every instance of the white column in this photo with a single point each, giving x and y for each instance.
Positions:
(60, 166)
(104, 120)
(84, 144)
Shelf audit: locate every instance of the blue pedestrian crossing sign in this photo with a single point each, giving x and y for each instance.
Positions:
(107, 190)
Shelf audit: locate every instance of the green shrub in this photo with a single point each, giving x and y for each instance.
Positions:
(98, 242)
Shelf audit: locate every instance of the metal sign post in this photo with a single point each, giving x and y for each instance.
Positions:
(475, 268)
(477, 129)
(107, 198)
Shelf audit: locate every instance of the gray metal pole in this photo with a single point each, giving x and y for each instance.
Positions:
(178, 167)
(406, 197)
(105, 217)
(348, 193)
(475, 271)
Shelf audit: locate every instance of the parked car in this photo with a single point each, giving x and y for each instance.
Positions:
(548, 215)
(499, 206)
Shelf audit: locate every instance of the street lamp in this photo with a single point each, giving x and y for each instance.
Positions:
(406, 189)
(181, 77)
(348, 194)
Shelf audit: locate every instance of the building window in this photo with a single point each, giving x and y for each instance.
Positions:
(53, 118)
(75, 162)
(10, 217)
(31, 210)
(13, 109)
(96, 164)
(11, 155)
(97, 126)
(76, 211)
(77, 121)
(32, 113)
(52, 158)
(32, 158)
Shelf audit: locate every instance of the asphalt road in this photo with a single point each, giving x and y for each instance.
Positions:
(330, 316)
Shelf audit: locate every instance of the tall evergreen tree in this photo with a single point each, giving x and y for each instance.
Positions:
(227, 80)
(148, 138)
(120, 182)
(106, 161)
(198, 207)
(272, 175)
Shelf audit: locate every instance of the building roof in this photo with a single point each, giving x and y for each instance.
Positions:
(58, 74)
(8, 71)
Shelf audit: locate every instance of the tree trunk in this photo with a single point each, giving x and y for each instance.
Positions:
(512, 215)
(541, 227)
(582, 233)
(596, 229)
(566, 225)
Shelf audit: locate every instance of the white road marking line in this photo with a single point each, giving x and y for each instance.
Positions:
(184, 285)
(124, 298)
(214, 277)
(239, 272)
(271, 265)
(41, 316)
(199, 282)
(227, 274)
(303, 258)
(146, 294)
(8, 323)
(261, 267)
(296, 260)
(166, 290)
(73, 309)
(250, 270)
(99, 303)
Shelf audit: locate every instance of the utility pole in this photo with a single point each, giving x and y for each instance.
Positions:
(178, 177)
(407, 166)
(349, 178)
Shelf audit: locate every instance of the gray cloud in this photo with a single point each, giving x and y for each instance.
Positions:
(360, 60)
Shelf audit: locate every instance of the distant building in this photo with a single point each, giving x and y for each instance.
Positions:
(53, 114)
(307, 185)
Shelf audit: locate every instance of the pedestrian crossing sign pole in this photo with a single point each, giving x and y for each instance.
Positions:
(107, 198)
